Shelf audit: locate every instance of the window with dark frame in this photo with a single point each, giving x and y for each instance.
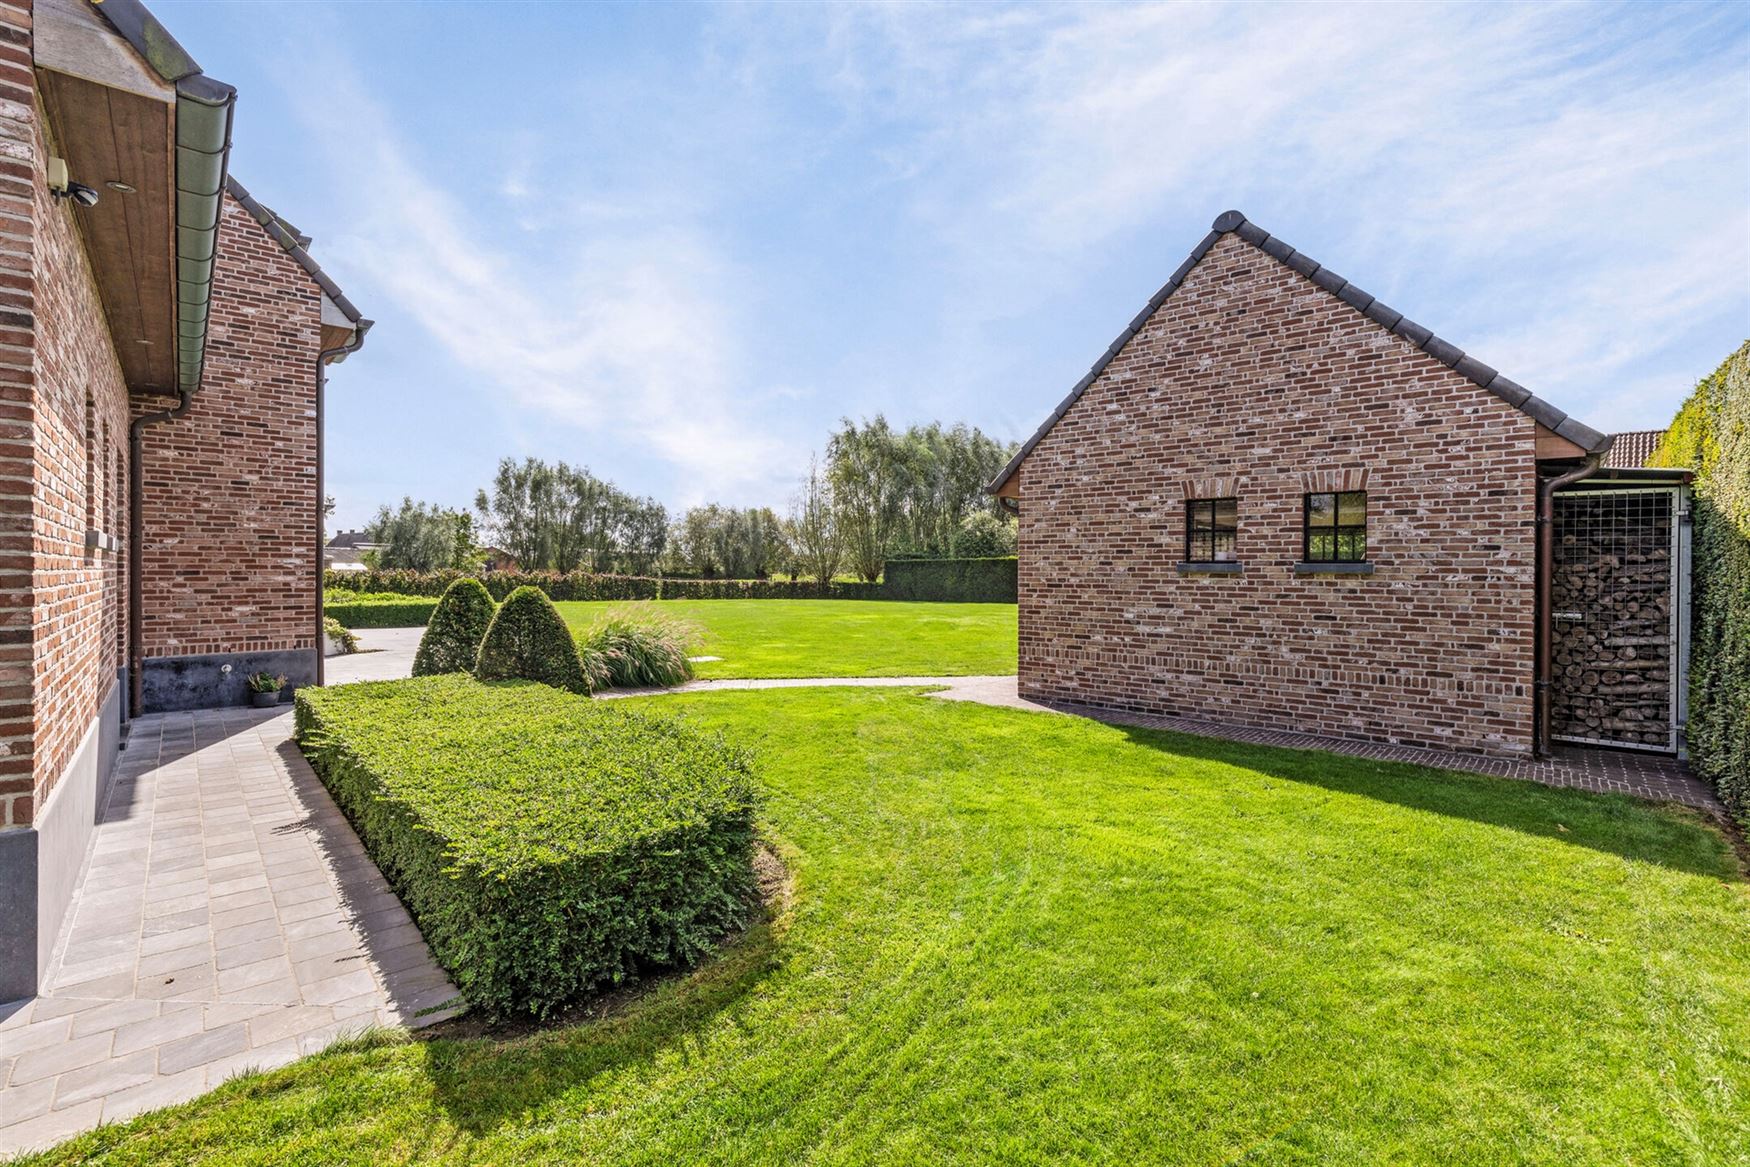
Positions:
(1336, 527)
(1211, 529)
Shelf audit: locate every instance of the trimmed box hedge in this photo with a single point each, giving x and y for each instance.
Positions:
(969, 581)
(548, 846)
(401, 612)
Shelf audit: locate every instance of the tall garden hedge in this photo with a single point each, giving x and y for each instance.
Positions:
(1711, 436)
(567, 585)
(978, 581)
(408, 611)
(548, 846)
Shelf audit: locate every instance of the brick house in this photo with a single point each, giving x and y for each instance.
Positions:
(165, 338)
(1275, 502)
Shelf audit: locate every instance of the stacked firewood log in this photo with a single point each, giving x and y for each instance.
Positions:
(1612, 603)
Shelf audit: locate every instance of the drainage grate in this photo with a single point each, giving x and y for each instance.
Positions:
(1614, 641)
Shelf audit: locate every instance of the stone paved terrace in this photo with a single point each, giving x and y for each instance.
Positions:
(228, 918)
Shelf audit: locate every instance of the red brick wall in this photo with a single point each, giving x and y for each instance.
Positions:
(81, 475)
(18, 170)
(1249, 373)
(230, 488)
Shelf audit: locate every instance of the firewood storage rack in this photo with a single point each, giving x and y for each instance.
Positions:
(1620, 614)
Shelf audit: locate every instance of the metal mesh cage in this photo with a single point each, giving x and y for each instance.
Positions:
(1614, 639)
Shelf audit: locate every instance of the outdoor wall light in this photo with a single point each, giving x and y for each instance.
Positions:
(61, 186)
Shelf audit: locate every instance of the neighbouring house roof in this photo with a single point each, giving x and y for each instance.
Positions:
(1631, 449)
(297, 245)
(1448, 354)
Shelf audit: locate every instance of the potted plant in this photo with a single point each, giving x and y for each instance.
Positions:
(264, 689)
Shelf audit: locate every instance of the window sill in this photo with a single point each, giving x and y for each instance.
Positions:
(1333, 569)
(1224, 567)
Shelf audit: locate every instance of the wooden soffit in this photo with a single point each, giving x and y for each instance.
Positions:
(112, 118)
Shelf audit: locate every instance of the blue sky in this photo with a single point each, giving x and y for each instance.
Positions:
(676, 243)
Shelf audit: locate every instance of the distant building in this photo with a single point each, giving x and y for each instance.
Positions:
(497, 560)
(345, 552)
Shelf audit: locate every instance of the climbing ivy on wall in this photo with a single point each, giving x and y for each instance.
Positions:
(1711, 435)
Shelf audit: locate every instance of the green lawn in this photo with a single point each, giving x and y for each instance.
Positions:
(837, 638)
(1016, 937)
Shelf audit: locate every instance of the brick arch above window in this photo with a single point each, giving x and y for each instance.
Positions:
(1333, 480)
(1231, 486)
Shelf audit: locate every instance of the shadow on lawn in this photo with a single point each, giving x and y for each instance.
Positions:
(484, 1082)
(1673, 836)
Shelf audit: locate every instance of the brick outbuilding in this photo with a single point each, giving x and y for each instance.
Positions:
(163, 345)
(1275, 502)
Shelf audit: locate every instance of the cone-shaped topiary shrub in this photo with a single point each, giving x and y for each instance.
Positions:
(528, 640)
(451, 643)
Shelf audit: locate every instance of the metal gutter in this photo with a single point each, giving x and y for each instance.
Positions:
(136, 544)
(1450, 355)
(204, 109)
(323, 359)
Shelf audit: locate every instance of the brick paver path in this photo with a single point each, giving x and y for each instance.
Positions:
(1658, 777)
(228, 918)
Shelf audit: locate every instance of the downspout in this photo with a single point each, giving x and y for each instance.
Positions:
(323, 359)
(1546, 554)
(137, 543)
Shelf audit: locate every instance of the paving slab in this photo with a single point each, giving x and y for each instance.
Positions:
(227, 920)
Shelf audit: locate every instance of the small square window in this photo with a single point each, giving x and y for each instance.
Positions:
(1211, 529)
(1336, 527)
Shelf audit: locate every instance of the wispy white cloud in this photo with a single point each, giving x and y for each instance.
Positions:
(1561, 189)
(616, 323)
(1566, 184)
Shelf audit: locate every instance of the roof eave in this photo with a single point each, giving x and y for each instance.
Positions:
(204, 110)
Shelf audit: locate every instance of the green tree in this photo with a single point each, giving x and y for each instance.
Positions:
(815, 545)
(983, 536)
(556, 517)
(949, 468)
(420, 537)
(870, 471)
(724, 542)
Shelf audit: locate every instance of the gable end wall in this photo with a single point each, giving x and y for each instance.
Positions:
(1250, 379)
(230, 489)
